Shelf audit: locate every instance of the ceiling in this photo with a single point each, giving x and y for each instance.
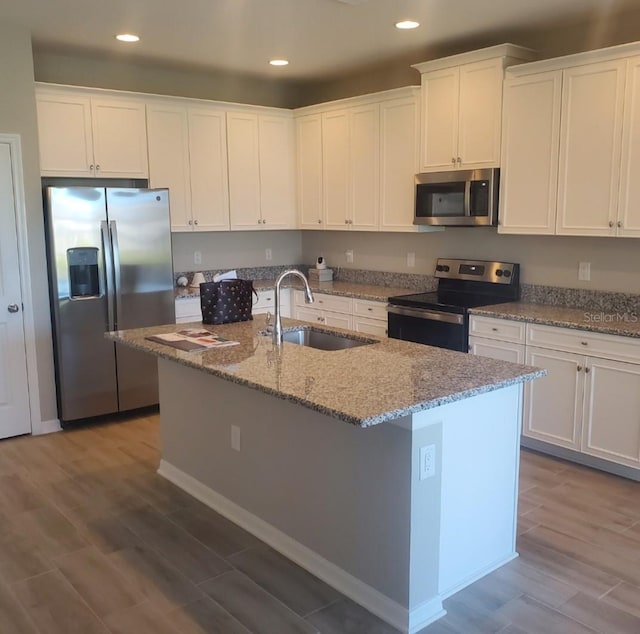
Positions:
(321, 38)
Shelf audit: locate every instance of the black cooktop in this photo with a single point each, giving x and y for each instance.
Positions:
(448, 301)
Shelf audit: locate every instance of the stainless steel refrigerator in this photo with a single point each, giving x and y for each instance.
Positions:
(110, 268)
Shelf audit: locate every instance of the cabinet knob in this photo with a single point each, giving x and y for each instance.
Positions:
(579, 368)
(453, 160)
(97, 167)
(459, 160)
(13, 308)
(195, 222)
(319, 221)
(620, 223)
(611, 223)
(587, 370)
(346, 222)
(584, 343)
(91, 167)
(494, 329)
(190, 222)
(370, 309)
(264, 221)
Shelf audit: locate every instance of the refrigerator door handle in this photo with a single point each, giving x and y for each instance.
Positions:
(116, 271)
(108, 272)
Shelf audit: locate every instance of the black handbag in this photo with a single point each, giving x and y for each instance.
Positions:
(226, 301)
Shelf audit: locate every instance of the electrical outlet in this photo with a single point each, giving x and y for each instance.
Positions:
(349, 256)
(235, 437)
(584, 271)
(267, 254)
(411, 259)
(427, 462)
(197, 257)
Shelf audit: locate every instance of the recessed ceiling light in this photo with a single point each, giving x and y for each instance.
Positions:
(407, 24)
(127, 37)
(279, 62)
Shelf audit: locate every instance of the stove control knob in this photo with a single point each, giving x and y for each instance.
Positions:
(507, 273)
(499, 273)
(445, 268)
(439, 267)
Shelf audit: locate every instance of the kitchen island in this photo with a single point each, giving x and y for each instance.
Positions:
(388, 470)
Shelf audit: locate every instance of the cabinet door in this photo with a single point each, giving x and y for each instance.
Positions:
(480, 114)
(364, 164)
(208, 160)
(553, 404)
(590, 140)
(611, 426)
(168, 140)
(277, 172)
(64, 135)
(335, 169)
(398, 163)
(629, 204)
(119, 138)
(244, 170)
(309, 160)
(440, 95)
(502, 350)
(530, 146)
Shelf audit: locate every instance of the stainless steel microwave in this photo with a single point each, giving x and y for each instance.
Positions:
(457, 198)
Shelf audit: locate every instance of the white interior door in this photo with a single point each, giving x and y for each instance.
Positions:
(14, 393)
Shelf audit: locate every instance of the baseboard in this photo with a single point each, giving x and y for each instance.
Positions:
(371, 599)
(47, 427)
(483, 572)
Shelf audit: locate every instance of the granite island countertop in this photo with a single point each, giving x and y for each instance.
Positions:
(344, 289)
(363, 386)
(625, 324)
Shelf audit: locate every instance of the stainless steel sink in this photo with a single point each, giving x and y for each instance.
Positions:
(323, 340)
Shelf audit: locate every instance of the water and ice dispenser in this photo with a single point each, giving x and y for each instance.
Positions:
(83, 272)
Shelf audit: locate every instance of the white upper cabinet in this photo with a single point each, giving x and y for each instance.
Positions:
(590, 148)
(84, 134)
(335, 169)
(309, 171)
(569, 161)
(530, 141)
(628, 223)
(208, 167)
(462, 108)
(187, 154)
(261, 171)
(399, 143)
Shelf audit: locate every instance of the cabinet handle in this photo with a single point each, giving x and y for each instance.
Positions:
(97, 167)
(346, 222)
(611, 223)
(494, 329)
(453, 160)
(370, 309)
(587, 370)
(459, 160)
(195, 222)
(579, 368)
(619, 223)
(319, 221)
(190, 222)
(584, 343)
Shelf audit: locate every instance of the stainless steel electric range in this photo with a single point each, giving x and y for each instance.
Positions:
(441, 318)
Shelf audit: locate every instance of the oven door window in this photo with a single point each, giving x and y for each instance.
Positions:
(479, 198)
(440, 200)
(428, 332)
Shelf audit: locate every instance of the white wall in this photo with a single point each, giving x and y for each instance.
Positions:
(18, 116)
(549, 260)
(222, 249)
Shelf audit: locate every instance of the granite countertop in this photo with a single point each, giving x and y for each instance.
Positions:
(626, 324)
(345, 289)
(363, 386)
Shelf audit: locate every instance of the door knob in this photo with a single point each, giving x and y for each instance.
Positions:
(13, 308)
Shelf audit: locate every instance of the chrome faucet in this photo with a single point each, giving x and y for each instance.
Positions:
(308, 298)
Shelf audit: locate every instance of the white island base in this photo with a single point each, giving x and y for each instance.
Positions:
(348, 503)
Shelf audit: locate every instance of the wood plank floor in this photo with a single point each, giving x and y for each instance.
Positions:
(93, 540)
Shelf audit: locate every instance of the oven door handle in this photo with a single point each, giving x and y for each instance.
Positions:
(423, 313)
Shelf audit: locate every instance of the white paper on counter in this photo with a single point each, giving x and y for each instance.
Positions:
(229, 275)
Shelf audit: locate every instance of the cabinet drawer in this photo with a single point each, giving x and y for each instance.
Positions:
(593, 344)
(373, 310)
(368, 326)
(266, 299)
(188, 308)
(334, 303)
(500, 329)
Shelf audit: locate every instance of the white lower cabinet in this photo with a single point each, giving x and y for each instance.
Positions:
(365, 316)
(589, 402)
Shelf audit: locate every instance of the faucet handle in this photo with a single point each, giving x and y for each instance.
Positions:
(267, 321)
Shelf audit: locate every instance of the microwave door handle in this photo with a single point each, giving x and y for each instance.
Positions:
(116, 271)
(467, 199)
(108, 272)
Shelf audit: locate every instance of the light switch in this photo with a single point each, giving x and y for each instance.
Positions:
(584, 271)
